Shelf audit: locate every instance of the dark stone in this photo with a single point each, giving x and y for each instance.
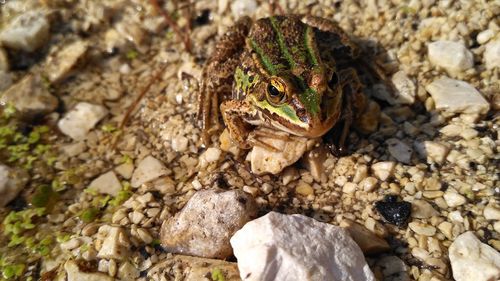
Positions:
(393, 211)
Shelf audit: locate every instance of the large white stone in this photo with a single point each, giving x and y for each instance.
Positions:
(295, 247)
(492, 54)
(433, 151)
(106, 183)
(26, 32)
(473, 260)
(203, 227)
(147, 170)
(452, 56)
(457, 96)
(81, 119)
(12, 181)
(30, 97)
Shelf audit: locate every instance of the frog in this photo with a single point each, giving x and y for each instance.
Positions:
(288, 73)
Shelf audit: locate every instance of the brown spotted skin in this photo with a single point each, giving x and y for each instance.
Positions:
(309, 59)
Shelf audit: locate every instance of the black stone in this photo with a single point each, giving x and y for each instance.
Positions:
(393, 211)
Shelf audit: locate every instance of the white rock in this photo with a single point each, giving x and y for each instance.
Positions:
(485, 36)
(453, 56)
(4, 60)
(128, 272)
(61, 65)
(210, 155)
(74, 149)
(125, 170)
(111, 246)
(5, 80)
(241, 8)
(383, 170)
(492, 54)
(12, 181)
(454, 199)
(313, 161)
(265, 160)
(473, 260)
(434, 152)
(422, 228)
(366, 240)
(491, 212)
(455, 96)
(30, 97)
(26, 32)
(106, 183)
(147, 170)
(81, 119)
(205, 224)
(399, 150)
(349, 187)
(295, 247)
(74, 273)
(180, 143)
(405, 87)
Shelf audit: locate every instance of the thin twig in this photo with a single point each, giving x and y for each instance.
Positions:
(141, 95)
(173, 25)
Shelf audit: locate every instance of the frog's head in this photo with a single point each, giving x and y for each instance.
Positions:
(292, 88)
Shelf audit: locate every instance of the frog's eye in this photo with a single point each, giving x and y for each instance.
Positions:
(276, 92)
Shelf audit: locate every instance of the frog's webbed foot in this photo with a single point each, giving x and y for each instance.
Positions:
(217, 77)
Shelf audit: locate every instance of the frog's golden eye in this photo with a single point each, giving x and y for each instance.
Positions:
(276, 92)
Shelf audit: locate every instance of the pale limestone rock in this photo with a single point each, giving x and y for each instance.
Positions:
(193, 269)
(473, 260)
(241, 8)
(295, 247)
(455, 96)
(491, 212)
(30, 97)
(81, 119)
(366, 240)
(434, 152)
(399, 150)
(125, 170)
(12, 181)
(111, 246)
(74, 149)
(147, 170)
(422, 228)
(383, 170)
(454, 199)
(266, 160)
(106, 183)
(205, 224)
(452, 56)
(128, 272)
(212, 154)
(405, 89)
(65, 61)
(492, 54)
(313, 161)
(74, 273)
(422, 209)
(485, 36)
(28, 31)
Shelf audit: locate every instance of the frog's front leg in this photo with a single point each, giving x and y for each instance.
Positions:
(218, 76)
(233, 113)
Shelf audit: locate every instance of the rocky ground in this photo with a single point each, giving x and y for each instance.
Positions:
(84, 194)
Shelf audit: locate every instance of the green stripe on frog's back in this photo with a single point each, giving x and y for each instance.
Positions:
(281, 43)
(266, 61)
